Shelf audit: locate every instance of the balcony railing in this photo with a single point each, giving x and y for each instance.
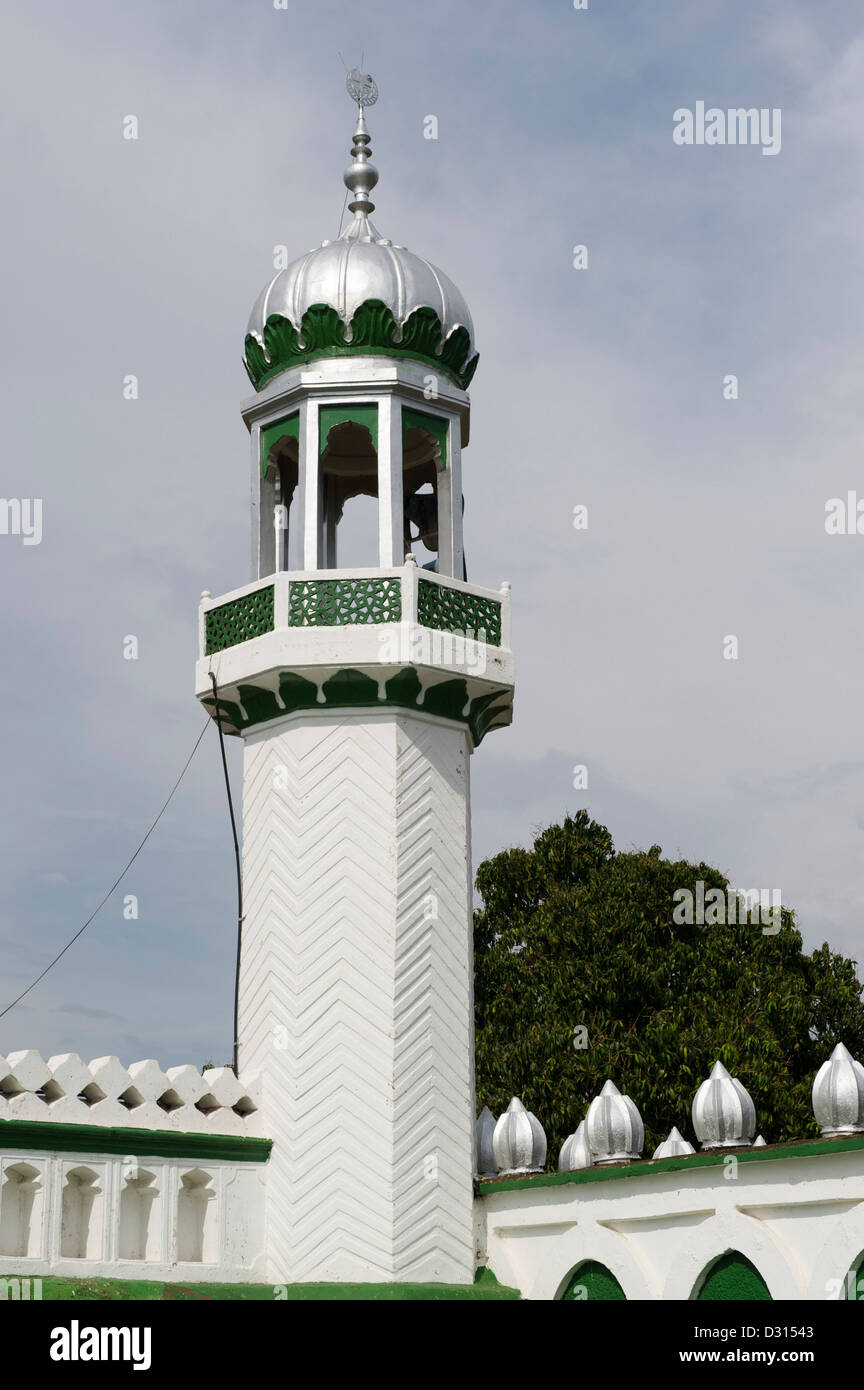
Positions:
(342, 598)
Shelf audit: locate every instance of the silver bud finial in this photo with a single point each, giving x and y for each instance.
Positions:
(361, 175)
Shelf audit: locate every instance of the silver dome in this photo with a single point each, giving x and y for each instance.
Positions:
(575, 1153)
(518, 1142)
(723, 1113)
(674, 1145)
(361, 265)
(484, 1130)
(838, 1094)
(614, 1127)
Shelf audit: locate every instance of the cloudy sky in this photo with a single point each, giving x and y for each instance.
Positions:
(601, 387)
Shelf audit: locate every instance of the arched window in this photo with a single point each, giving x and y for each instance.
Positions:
(593, 1281)
(196, 1218)
(281, 532)
(79, 1225)
(139, 1234)
(731, 1278)
(18, 1234)
(426, 493)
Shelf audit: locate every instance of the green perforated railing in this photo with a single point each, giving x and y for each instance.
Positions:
(333, 602)
(453, 610)
(344, 602)
(237, 621)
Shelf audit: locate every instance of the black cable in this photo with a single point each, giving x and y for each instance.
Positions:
(116, 881)
(239, 874)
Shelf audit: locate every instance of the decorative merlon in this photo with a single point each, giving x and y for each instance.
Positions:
(66, 1090)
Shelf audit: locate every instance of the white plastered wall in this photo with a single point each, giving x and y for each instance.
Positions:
(356, 992)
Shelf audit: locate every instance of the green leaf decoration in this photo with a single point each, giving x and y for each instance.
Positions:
(373, 325)
(421, 333)
(280, 339)
(320, 328)
(373, 329)
(455, 349)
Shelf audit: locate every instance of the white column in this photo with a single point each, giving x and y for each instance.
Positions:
(444, 495)
(355, 993)
(390, 523)
(330, 523)
(454, 466)
(310, 484)
(262, 535)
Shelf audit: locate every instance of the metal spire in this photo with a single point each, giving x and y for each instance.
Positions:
(361, 175)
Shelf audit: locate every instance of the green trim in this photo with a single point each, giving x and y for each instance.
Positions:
(485, 1289)
(433, 424)
(271, 434)
(350, 688)
(647, 1167)
(156, 1143)
(373, 330)
(363, 413)
(239, 620)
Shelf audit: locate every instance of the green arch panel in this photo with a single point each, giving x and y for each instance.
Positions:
(594, 1281)
(731, 1279)
(362, 413)
(432, 424)
(271, 434)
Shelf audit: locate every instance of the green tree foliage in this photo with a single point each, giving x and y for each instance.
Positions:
(572, 933)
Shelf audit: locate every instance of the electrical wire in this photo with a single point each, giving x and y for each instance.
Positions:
(117, 881)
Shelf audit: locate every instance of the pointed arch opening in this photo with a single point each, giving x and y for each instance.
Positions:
(853, 1284)
(593, 1282)
(730, 1278)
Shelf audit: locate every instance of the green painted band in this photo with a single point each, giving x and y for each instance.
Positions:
(373, 331)
(352, 689)
(156, 1143)
(647, 1167)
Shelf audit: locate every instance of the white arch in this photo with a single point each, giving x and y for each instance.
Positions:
(575, 1246)
(722, 1234)
(837, 1255)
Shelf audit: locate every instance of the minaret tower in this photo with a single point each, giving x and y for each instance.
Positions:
(359, 694)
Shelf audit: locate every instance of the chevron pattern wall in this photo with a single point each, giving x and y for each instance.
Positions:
(356, 993)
